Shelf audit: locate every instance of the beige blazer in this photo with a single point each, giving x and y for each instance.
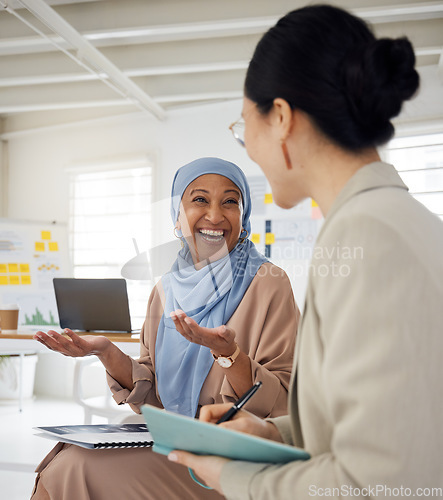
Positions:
(265, 323)
(366, 401)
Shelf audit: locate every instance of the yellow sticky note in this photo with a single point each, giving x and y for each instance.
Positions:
(46, 235)
(24, 268)
(270, 238)
(313, 204)
(53, 246)
(14, 280)
(26, 279)
(3, 280)
(255, 238)
(3, 268)
(268, 198)
(39, 246)
(13, 268)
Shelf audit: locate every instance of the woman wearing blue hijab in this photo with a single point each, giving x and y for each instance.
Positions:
(221, 319)
(209, 278)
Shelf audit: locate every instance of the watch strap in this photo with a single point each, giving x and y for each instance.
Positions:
(232, 357)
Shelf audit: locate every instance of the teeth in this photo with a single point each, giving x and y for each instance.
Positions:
(211, 233)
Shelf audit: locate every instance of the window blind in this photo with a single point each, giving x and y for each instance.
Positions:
(419, 161)
(110, 217)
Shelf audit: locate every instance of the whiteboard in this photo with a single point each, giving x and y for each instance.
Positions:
(286, 237)
(31, 255)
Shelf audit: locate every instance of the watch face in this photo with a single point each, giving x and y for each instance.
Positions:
(224, 362)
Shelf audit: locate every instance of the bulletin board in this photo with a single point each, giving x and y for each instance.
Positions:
(286, 237)
(31, 255)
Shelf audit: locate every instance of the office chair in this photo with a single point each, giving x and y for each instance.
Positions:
(103, 405)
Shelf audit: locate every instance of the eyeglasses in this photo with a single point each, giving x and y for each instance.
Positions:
(238, 131)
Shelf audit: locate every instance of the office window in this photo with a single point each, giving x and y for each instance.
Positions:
(110, 219)
(419, 161)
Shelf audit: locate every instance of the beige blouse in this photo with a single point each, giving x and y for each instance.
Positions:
(265, 323)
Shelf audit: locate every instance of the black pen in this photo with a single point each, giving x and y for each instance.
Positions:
(238, 404)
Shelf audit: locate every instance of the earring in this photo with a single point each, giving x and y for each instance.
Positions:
(242, 239)
(286, 154)
(179, 237)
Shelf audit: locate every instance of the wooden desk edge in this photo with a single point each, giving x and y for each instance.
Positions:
(114, 336)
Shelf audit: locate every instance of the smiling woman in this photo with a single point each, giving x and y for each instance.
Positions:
(210, 207)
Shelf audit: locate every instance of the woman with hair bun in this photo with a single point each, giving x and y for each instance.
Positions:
(365, 397)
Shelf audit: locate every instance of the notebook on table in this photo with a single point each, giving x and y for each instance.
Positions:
(93, 304)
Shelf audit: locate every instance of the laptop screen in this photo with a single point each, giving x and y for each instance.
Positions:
(93, 304)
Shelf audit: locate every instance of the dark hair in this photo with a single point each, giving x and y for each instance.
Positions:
(328, 63)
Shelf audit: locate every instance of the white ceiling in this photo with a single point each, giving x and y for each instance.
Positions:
(159, 54)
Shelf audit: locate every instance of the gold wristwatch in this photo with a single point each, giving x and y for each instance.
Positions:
(227, 361)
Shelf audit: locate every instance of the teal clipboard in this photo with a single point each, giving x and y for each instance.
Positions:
(171, 431)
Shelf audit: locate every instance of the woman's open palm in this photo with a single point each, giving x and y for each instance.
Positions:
(73, 345)
(221, 340)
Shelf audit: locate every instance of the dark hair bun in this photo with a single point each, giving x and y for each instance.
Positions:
(378, 79)
(327, 62)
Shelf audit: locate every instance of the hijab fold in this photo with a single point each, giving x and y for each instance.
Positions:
(209, 295)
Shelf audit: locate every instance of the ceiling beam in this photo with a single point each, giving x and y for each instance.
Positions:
(401, 13)
(167, 100)
(167, 69)
(87, 55)
(130, 73)
(164, 89)
(440, 66)
(208, 29)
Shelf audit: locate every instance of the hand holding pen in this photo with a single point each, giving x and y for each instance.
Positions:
(239, 403)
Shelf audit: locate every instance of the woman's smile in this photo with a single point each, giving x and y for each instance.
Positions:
(212, 236)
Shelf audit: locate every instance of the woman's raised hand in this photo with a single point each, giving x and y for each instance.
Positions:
(73, 345)
(221, 340)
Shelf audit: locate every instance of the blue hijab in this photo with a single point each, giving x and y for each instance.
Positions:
(209, 295)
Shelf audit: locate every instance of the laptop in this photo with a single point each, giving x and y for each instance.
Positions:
(93, 304)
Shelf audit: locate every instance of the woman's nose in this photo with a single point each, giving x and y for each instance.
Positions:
(214, 215)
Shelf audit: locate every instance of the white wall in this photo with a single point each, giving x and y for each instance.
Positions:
(39, 159)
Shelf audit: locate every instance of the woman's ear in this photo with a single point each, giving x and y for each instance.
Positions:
(282, 117)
